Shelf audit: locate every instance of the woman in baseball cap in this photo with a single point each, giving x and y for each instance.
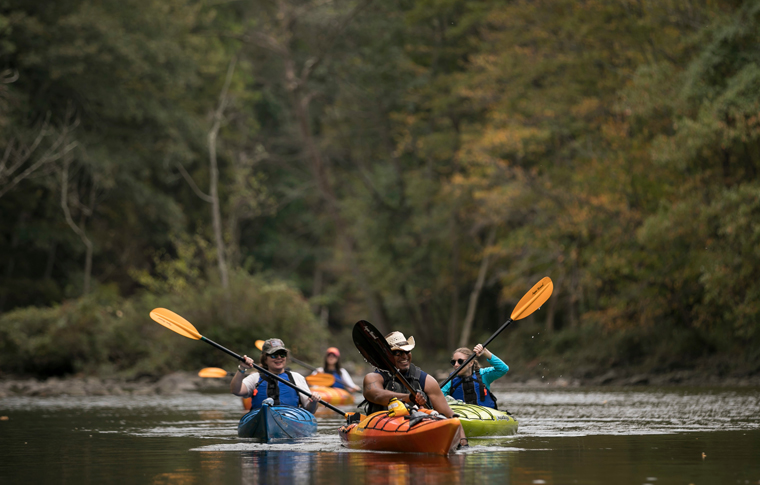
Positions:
(274, 356)
(332, 366)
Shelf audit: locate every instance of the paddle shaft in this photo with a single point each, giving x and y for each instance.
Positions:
(453, 374)
(278, 378)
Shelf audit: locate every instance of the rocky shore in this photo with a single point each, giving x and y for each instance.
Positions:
(183, 382)
(175, 383)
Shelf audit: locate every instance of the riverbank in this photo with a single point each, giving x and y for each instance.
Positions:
(170, 384)
(184, 382)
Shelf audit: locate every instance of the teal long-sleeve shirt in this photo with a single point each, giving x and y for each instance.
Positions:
(488, 374)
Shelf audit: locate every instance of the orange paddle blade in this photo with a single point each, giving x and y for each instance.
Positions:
(213, 372)
(533, 299)
(322, 379)
(259, 344)
(174, 322)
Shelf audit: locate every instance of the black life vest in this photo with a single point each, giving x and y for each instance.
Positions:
(391, 383)
(472, 390)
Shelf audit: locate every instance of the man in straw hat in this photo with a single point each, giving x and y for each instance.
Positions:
(381, 386)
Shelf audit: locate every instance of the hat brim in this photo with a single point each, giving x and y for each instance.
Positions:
(407, 348)
(272, 351)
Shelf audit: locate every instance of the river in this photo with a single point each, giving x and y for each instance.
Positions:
(566, 436)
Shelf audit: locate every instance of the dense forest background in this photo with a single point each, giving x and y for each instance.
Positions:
(288, 167)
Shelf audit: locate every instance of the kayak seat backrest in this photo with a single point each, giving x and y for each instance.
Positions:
(394, 424)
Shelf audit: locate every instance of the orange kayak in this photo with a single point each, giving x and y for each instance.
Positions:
(415, 434)
(332, 395)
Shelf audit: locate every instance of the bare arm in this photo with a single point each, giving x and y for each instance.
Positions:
(374, 392)
(236, 385)
(436, 397)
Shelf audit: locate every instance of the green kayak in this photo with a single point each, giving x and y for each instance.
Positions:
(483, 421)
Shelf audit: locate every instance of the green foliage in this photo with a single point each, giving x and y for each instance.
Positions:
(366, 153)
(103, 333)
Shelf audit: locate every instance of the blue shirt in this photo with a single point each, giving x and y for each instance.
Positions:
(488, 374)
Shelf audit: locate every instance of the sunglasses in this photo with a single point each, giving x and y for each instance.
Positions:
(397, 353)
(280, 354)
(458, 361)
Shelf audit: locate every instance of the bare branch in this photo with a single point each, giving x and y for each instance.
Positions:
(79, 231)
(18, 155)
(189, 179)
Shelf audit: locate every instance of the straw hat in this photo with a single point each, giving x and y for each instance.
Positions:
(397, 341)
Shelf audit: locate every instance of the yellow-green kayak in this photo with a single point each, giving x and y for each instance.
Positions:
(483, 421)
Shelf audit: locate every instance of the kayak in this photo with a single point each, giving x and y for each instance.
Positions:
(269, 423)
(483, 421)
(333, 395)
(419, 433)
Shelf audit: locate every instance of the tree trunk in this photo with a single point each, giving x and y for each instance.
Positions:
(79, 231)
(454, 310)
(473, 304)
(214, 178)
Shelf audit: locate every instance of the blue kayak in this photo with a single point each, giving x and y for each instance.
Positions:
(277, 423)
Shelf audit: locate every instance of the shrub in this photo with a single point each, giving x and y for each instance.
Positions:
(105, 334)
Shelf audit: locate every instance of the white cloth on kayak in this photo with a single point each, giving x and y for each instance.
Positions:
(344, 376)
(251, 381)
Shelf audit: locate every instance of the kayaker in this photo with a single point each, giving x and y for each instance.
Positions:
(472, 383)
(332, 366)
(273, 358)
(381, 386)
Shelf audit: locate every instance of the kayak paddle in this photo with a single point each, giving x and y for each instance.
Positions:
(529, 303)
(177, 324)
(321, 379)
(214, 372)
(376, 351)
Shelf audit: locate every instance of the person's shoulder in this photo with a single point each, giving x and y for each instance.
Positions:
(252, 377)
(299, 379)
(374, 375)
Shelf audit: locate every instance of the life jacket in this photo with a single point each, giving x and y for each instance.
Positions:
(472, 390)
(338, 384)
(391, 383)
(268, 387)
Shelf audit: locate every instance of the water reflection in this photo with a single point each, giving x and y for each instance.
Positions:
(353, 467)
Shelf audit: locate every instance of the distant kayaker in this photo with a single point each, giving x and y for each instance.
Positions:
(473, 384)
(332, 366)
(274, 356)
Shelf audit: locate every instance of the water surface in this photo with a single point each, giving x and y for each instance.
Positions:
(636, 436)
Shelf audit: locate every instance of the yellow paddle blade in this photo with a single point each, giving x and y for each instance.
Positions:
(174, 322)
(212, 372)
(323, 379)
(533, 299)
(259, 344)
